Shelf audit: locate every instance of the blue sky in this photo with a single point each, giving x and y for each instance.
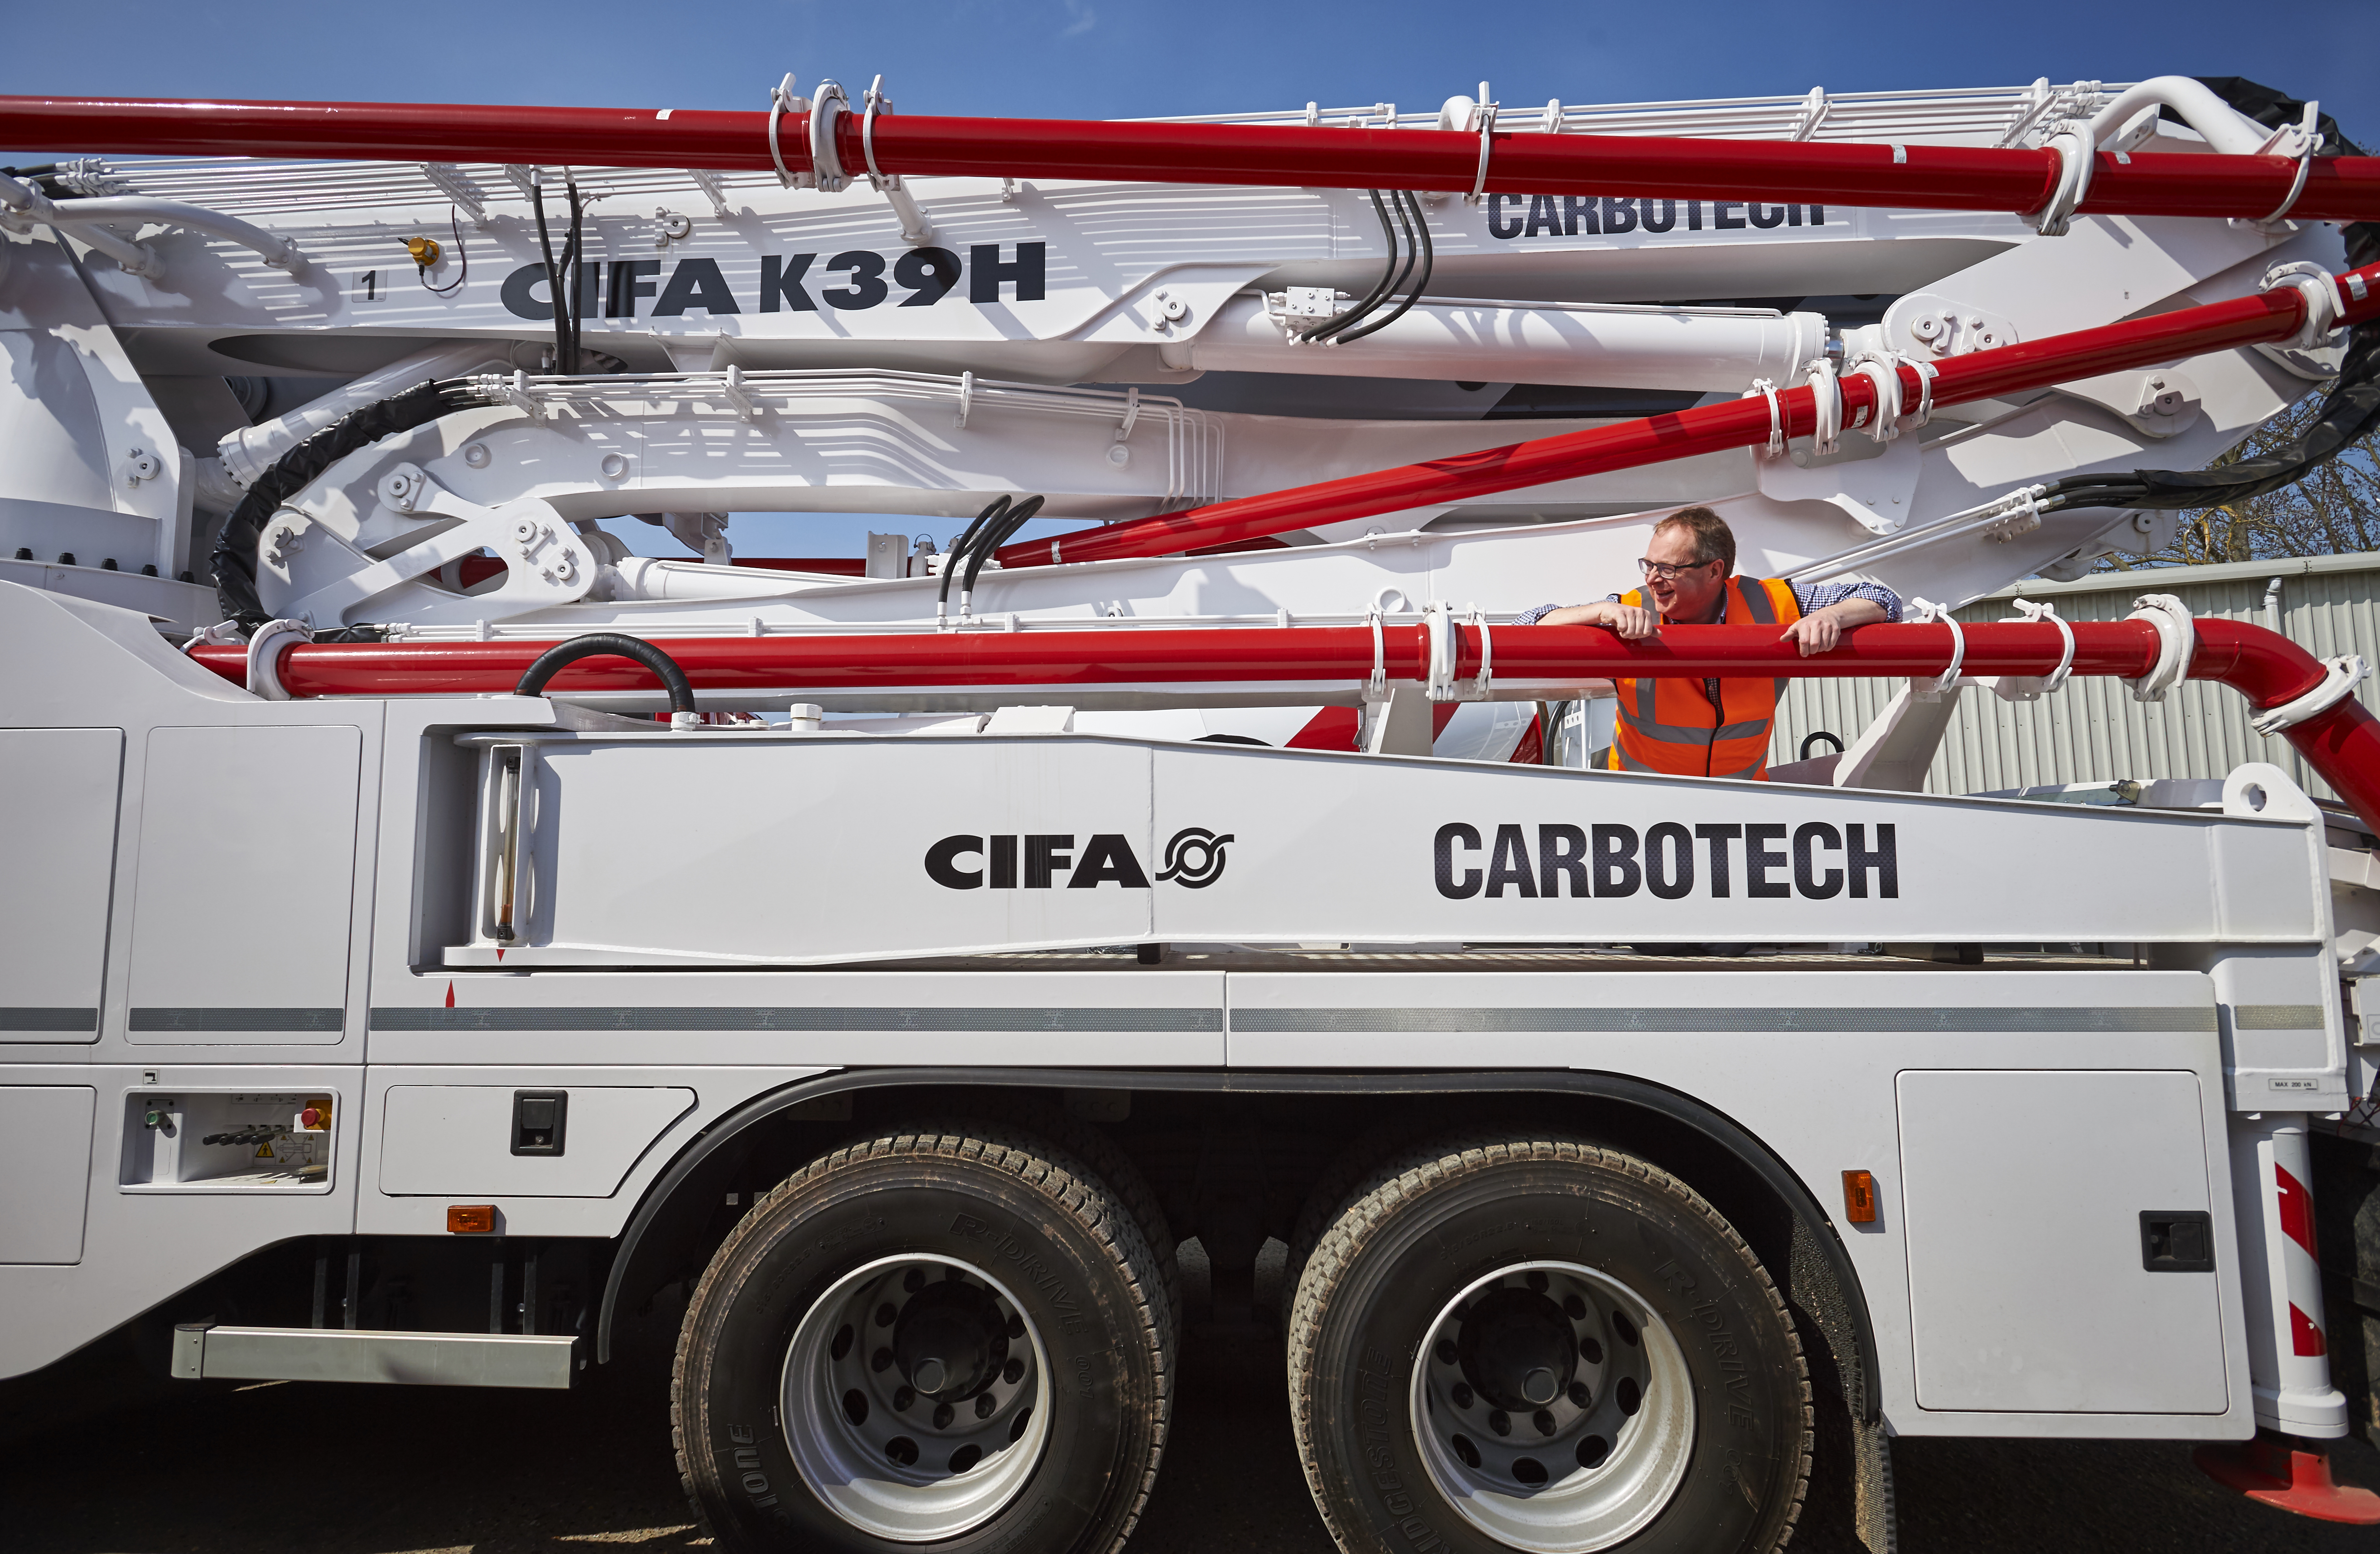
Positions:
(1129, 58)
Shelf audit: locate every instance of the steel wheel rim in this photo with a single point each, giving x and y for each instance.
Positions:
(1607, 1468)
(900, 1472)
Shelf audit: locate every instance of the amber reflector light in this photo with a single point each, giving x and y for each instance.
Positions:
(1859, 1197)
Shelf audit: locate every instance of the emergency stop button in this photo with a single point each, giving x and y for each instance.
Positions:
(538, 1118)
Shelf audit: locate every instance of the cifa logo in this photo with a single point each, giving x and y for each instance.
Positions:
(1195, 857)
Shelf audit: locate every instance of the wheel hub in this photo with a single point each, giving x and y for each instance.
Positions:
(1515, 1347)
(1553, 1408)
(912, 1396)
(950, 1340)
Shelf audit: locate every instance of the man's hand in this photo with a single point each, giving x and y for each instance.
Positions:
(1822, 630)
(1627, 622)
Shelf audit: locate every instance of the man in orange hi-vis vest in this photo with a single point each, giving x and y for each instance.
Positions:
(1714, 727)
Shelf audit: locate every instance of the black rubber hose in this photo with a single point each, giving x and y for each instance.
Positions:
(990, 514)
(1381, 289)
(957, 558)
(1814, 736)
(1428, 263)
(996, 536)
(609, 644)
(571, 253)
(554, 285)
(1411, 249)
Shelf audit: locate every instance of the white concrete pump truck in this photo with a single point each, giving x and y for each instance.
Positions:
(433, 930)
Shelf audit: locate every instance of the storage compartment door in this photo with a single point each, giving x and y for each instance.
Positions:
(245, 885)
(62, 786)
(466, 1140)
(46, 1166)
(2028, 1285)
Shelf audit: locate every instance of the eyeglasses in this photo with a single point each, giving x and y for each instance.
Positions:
(1665, 570)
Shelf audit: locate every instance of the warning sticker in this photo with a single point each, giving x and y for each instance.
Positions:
(264, 1152)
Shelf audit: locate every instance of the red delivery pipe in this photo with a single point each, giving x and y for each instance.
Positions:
(2342, 743)
(1926, 177)
(2246, 321)
(1209, 655)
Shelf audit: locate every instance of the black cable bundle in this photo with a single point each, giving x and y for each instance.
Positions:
(992, 528)
(233, 558)
(564, 282)
(996, 534)
(2349, 413)
(1412, 246)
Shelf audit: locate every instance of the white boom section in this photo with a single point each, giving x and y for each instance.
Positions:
(1199, 844)
(371, 531)
(1055, 284)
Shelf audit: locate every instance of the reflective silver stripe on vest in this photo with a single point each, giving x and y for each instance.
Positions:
(1755, 599)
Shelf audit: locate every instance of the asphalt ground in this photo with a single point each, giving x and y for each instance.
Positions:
(102, 1455)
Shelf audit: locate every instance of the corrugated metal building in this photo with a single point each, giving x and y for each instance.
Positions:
(2093, 730)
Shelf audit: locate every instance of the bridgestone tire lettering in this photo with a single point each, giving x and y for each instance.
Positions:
(1428, 1224)
(990, 1195)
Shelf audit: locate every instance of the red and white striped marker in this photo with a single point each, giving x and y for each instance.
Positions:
(2288, 1362)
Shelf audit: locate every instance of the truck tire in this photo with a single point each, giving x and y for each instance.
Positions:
(1130, 1187)
(910, 1332)
(1352, 1168)
(1532, 1341)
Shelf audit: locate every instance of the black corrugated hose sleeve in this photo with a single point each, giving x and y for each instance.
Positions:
(233, 560)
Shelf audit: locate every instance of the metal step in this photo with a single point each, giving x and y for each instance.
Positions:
(203, 1349)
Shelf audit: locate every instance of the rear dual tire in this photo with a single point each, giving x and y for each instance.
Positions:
(1537, 1343)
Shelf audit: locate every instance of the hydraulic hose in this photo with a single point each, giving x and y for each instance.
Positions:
(1425, 252)
(571, 267)
(996, 534)
(959, 548)
(1390, 278)
(565, 357)
(611, 644)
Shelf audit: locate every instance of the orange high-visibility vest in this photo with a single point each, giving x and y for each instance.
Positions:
(1671, 727)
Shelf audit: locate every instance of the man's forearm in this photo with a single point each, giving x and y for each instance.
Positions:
(1854, 611)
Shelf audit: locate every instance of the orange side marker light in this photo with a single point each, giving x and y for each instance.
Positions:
(470, 1218)
(1859, 1197)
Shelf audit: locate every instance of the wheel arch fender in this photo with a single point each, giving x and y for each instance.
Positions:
(1813, 1255)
